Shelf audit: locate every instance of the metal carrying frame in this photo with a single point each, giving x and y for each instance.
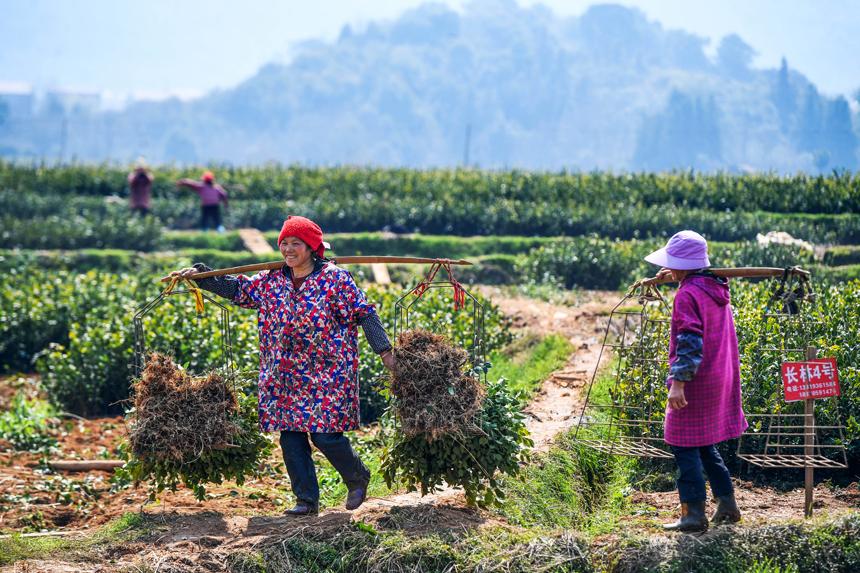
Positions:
(140, 350)
(616, 427)
(786, 439)
(463, 300)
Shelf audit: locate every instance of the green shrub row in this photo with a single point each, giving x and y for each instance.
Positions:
(579, 262)
(589, 262)
(78, 232)
(841, 255)
(79, 329)
(621, 220)
(416, 245)
(838, 274)
(835, 193)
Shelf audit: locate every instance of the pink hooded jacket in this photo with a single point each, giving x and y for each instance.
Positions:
(714, 411)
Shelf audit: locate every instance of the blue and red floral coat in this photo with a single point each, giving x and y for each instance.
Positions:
(308, 348)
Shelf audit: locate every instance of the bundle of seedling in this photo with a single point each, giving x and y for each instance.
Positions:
(193, 430)
(451, 429)
(434, 395)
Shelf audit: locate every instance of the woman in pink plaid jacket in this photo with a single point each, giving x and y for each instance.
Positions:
(704, 406)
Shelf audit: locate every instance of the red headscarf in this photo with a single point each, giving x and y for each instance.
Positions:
(208, 176)
(304, 229)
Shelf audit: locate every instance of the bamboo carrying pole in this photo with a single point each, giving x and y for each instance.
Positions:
(741, 272)
(357, 260)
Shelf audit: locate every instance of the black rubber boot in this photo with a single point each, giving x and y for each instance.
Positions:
(727, 510)
(693, 519)
(357, 495)
(303, 508)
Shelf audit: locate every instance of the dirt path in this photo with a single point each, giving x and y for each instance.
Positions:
(559, 401)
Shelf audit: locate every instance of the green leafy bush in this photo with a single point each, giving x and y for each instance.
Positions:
(472, 461)
(592, 262)
(249, 449)
(588, 262)
(25, 425)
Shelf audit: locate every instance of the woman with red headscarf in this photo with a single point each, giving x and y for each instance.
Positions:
(308, 316)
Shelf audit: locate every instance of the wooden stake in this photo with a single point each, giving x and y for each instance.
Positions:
(809, 442)
(85, 465)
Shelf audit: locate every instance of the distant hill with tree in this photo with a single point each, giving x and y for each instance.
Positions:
(496, 85)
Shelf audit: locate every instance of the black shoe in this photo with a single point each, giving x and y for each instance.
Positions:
(357, 495)
(303, 508)
(693, 519)
(727, 510)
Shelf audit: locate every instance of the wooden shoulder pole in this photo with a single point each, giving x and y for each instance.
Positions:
(740, 272)
(356, 260)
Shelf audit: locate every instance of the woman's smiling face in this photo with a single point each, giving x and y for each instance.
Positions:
(296, 252)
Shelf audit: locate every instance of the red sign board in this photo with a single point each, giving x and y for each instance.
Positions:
(810, 379)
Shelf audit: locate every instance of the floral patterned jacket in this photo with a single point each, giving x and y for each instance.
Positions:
(308, 348)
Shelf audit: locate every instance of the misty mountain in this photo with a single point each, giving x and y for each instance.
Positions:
(496, 86)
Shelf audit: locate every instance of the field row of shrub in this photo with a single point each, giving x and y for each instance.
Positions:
(835, 193)
(33, 220)
(417, 245)
(583, 262)
(77, 330)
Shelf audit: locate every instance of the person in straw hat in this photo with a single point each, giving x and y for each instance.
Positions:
(704, 406)
(308, 314)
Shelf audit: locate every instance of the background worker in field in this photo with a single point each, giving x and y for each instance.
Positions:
(308, 316)
(211, 197)
(704, 406)
(140, 189)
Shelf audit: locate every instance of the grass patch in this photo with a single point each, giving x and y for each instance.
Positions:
(128, 527)
(359, 548)
(570, 486)
(529, 360)
(832, 546)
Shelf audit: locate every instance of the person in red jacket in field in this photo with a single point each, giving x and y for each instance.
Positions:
(140, 189)
(211, 197)
(704, 406)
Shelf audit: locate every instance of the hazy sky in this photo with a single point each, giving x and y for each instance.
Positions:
(191, 46)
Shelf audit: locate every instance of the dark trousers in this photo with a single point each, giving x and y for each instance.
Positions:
(692, 462)
(300, 466)
(210, 214)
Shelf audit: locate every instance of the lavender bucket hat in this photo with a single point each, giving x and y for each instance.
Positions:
(685, 251)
